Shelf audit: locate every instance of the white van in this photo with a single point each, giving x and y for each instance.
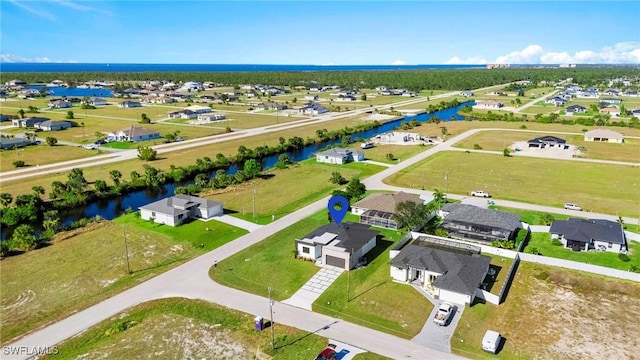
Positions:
(491, 341)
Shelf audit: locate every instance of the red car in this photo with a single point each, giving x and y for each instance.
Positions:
(327, 354)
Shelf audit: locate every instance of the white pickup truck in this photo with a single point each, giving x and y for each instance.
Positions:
(444, 314)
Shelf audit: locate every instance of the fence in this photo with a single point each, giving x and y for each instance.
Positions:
(507, 282)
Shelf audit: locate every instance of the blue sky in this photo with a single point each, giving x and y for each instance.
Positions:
(314, 32)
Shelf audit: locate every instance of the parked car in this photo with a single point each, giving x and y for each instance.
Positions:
(570, 206)
(367, 145)
(491, 341)
(329, 353)
(480, 193)
(443, 316)
(91, 146)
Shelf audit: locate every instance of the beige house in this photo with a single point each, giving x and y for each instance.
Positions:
(604, 135)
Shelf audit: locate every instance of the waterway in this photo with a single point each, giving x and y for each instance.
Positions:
(111, 208)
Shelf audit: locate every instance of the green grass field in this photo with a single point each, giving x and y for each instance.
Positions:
(41, 155)
(50, 283)
(542, 242)
(533, 180)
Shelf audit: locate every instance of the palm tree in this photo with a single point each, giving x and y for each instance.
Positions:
(5, 199)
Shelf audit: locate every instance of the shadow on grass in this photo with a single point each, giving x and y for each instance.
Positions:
(382, 244)
(160, 265)
(302, 337)
(367, 290)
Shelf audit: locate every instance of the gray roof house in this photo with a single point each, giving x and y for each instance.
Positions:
(479, 224)
(13, 143)
(133, 133)
(575, 109)
(28, 122)
(589, 234)
(339, 156)
(447, 270)
(378, 209)
(547, 141)
(177, 209)
(53, 125)
(341, 245)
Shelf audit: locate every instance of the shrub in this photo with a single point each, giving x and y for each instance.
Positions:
(556, 242)
(477, 147)
(390, 156)
(337, 178)
(624, 257)
(19, 163)
(546, 219)
(534, 251)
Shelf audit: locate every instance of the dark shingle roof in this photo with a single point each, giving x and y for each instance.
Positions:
(547, 139)
(469, 214)
(462, 272)
(352, 236)
(584, 230)
(386, 202)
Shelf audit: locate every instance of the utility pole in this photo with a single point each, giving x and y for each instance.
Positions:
(273, 339)
(126, 249)
(446, 188)
(348, 284)
(254, 202)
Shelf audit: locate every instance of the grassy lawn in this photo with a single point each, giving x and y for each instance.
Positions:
(375, 301)
(501, 265)
(498, 140)
(531, 217)
(270, 263)
(400, 152)
(199, 330)
(41, 155)
(546, 313)
(534, 180)
(89, 266)
(282, 194)
(542, 242)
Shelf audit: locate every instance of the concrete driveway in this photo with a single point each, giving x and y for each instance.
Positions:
(438, 337)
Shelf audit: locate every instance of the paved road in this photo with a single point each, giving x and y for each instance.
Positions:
(191, 280)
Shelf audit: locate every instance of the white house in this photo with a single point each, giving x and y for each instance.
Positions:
(313, 108)
(133, 133)
(177, 209)
(603, 135)
(342, 245)
(311, 97)
(52, 125)
(211, 117)
(199, 109)
(339, 156)
(448, 270)
(96, 101)
(488, 104)
(589, 234)
(59, 104)
(129, 104)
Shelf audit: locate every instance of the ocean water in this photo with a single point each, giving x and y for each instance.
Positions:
(91, 67)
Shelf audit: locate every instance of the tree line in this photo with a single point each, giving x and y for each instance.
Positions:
(414, 80)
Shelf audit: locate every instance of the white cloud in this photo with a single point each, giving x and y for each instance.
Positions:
(75, 6)
(470, 60)
(620, 53)
(11, 58)
(399, 62)
(40, 13)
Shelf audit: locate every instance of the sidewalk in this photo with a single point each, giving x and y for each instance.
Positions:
(312, 290)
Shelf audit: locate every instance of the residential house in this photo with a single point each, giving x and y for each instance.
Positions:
(611, 92)
(630, 93)
(14, 143)
(604, 135)
(129, 104)
(488, 104)
(466, 93)
(345, 98)
(133, 134)
(177, 209)
(191, 85)
(610, 101)
(613, 111)
(556, 101)
(342, 245)
(96, 101)
(53, 125)
(313, 108)
(183, 114)
(339, 156)
(311, 97)
(587, 95)
(270, 106)
(589, 234)
(4, 117)
(59, 104)
(475, 223)
(449, 271)
(378, 209)
(548, 142)
(28, 122)
(211, 117)
(575, 109)
(199, 109)
(16, 82)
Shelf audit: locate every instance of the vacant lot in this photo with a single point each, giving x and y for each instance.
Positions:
(498, 140)
(553, 313)
(89, 266)
(533, 180)
(198, 330)
(42, 154)
(281, 192)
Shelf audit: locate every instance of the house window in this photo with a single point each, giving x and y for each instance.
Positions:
(180, 216)
(610, 245)
(153, 213)
(305, 250)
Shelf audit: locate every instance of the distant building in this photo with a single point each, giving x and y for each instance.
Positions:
(339, 156)
(603, 135)
(177, 209)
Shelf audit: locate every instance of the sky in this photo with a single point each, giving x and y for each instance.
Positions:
(320, 32)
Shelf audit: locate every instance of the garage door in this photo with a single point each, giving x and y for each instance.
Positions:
(335, 261)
